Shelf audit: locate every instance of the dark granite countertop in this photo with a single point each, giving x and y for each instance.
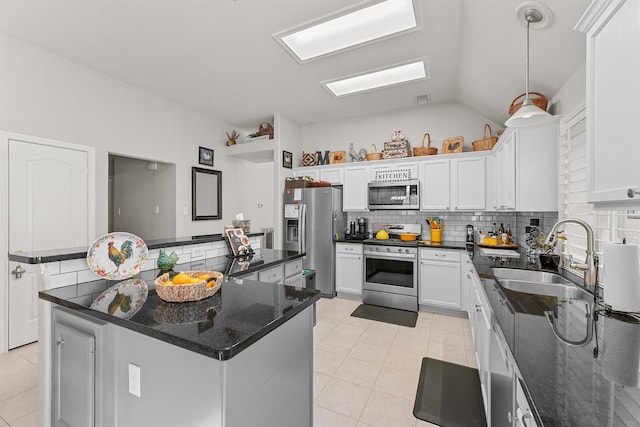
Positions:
(594, 384)
(39, 257)
(221, 326)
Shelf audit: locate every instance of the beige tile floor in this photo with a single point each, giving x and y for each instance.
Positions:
(365, 372)
(19, 387)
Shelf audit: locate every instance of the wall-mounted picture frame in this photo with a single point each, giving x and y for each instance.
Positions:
(206, 194)
(205, 156)
(287, 160)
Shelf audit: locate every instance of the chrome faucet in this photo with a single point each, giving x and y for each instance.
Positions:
(590, 266)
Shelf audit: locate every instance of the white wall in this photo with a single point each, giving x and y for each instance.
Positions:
(572, 94)
(441, 121)
(47, 96)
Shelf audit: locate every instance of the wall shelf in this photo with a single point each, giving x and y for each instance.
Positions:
(256, 152)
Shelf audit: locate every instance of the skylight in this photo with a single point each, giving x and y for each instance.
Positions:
(378, 79)
(341, 32)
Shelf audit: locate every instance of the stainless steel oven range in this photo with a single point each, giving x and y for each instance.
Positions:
(391, 275)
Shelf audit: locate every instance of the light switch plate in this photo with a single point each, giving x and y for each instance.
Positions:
(134, 379)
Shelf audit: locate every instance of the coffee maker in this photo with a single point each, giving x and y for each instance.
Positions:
(362, 226)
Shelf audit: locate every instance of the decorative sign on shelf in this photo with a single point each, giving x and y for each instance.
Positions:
(393, 175)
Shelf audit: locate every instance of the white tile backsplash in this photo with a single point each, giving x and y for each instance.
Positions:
(64, 279)
(73, 265)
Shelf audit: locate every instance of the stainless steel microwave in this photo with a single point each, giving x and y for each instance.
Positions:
(394, 195)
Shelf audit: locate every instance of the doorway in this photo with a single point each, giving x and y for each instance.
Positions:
(142, 197)
(49, 190)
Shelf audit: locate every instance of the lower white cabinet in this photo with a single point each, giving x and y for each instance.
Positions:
(79, 373)
(480, 318)
(349, 266)
(439, 278)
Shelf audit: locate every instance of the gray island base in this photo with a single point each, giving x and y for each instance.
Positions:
(249, 364)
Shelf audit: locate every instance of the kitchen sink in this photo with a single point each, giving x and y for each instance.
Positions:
(529, 276)
(539, 283)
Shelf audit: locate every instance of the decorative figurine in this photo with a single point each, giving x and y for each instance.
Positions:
(397, 136)
(167, 262)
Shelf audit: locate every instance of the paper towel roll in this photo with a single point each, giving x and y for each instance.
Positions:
(621, 277)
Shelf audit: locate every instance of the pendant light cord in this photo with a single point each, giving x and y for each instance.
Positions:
(526, 72)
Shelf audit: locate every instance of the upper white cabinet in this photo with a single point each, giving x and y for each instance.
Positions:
(354, 190)
(334, 176)
(435, 185)
(525, 169)
(468, 182)
(613, 105)
(453, 184)
(504, 174)
(404, 169)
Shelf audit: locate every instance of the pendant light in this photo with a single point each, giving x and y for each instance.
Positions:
(528, 114)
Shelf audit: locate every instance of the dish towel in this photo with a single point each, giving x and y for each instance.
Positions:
(502, 253)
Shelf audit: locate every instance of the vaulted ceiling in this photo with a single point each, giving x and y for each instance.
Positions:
(219, 57)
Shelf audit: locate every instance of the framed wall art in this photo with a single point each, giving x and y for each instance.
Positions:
(205, 156)
(287, 160)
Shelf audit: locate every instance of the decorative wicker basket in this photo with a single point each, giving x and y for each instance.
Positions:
(425, 151)
(373, 155)
(487, 142)
(539, 101)
(189, 291)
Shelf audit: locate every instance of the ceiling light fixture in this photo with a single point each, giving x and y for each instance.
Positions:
(378, 79)
(343, 31)
(528, 114)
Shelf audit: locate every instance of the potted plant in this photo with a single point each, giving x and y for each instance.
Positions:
(547, 256)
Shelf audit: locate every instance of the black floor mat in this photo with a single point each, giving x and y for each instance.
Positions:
(387, 315)
(449, 395)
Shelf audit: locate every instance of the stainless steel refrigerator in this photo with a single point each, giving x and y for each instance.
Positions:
(312, 218)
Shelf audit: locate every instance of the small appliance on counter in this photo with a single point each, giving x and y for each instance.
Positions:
(470, 234)
(357, 230)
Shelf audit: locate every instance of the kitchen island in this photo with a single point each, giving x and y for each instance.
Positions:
(241, 357)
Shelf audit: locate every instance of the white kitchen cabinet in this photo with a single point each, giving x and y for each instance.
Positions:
(504, 182)
(80, 375)
(406, 170)
(349, 269)
(468, 183)
(481, 330)
(434, 185)
(354, 189)
(334, 175)
(612, 30)
(439, 278)
(525, 169)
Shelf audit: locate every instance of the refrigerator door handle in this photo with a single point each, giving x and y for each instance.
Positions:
(302, 238)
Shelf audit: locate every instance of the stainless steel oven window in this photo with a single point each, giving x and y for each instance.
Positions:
(394, 272)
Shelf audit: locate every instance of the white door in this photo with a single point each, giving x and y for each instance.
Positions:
(48, 209)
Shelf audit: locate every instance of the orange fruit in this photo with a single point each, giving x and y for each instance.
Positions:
(181, 279)
(203, 277)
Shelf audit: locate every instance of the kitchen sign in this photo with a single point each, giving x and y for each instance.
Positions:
(393, 175)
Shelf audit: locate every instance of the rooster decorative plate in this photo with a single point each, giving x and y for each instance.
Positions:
(117, 256)
(123, 299)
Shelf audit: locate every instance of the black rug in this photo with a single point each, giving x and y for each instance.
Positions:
(449, 395)
(387, 315)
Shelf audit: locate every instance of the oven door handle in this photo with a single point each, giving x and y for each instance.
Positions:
(390, 255)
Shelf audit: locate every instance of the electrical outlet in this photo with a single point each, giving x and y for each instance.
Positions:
(185, 210)
(156, 210)
(134, 379)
